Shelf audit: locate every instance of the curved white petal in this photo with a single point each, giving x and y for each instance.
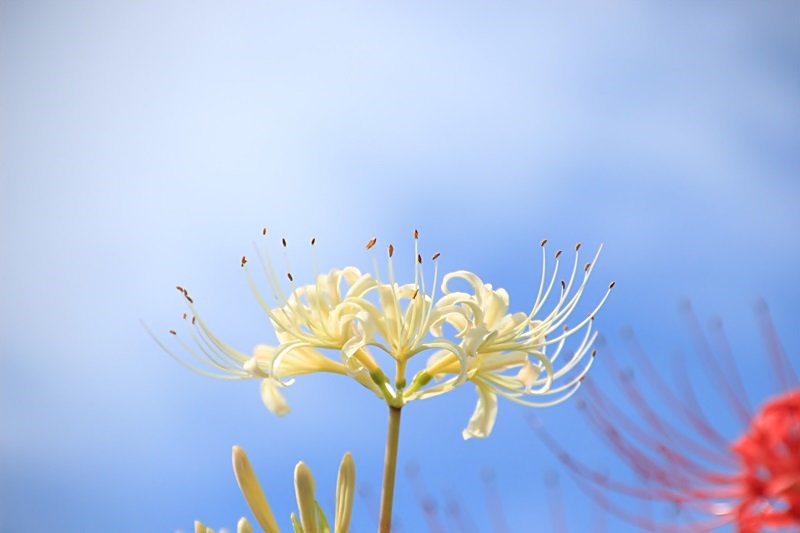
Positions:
(273, 398)
(528, 375)
(482, 421)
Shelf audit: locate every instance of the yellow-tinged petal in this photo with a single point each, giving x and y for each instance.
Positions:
(258, 365)
(244, 526)
(482, 421)
(273, 398)
(345, 487)
(251, 489)
(304, 489)
(307, 360)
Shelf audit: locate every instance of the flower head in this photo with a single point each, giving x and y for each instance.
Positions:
(468, 335)
(514, 355)
(769, 455)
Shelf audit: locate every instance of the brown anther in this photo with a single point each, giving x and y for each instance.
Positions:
(244, 260)
(416, 234)
(313, 241)
(189, 298)
(184, 316)
(580, 379)
(289, 274)
(372, 242)
(586, 267)
(283, 241)
(435, 256)
(419, 258)
(179, 288)
(264, 231)
(566, 327)
(577, 247)
(193, 319)
(611, 285)
(544, 242)
(558, 253)
(594, 352)
(563, 285)
(391, 250)
(415, 294)
(172, 331)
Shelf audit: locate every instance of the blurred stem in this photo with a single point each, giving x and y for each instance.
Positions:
(389, 470)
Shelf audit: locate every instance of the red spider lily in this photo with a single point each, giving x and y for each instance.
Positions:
(683, 460)
(770, 456)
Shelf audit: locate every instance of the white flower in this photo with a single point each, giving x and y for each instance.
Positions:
(514, 354)
(470, 333)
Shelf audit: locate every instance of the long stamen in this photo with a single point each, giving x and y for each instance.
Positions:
(519, 330)
(581, 324)
(269, 273)
(540, 303)
(183, 363)
(565, 291)
(410, 336)
(394, 344)
(324, 303)
(213, 352)
(295, 295)
(425, 325)
(538, 300)
(283, 322)
(375, 266)
(314, 257)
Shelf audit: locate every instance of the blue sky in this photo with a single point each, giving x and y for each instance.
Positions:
(145, 144)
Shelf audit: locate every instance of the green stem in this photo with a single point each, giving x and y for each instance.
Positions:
(389, 470)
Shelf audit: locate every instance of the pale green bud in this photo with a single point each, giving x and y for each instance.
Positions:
(304, 488)
(345, 488)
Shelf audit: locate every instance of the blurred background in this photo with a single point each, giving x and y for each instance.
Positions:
(145, 144)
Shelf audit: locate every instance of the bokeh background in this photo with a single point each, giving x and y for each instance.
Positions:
(146, 143)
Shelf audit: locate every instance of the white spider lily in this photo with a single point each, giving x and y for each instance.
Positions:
(513, 355)
(355, 314)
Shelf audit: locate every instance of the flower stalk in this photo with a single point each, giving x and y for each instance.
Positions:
(389, 470)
